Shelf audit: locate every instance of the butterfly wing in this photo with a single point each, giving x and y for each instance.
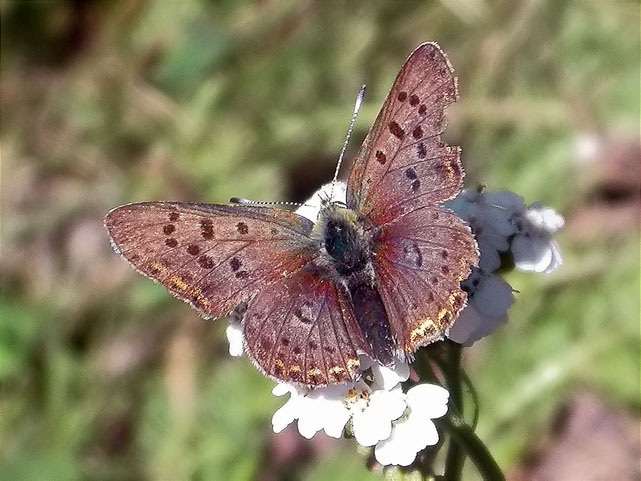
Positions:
(302, 330)
(400, 176)
(211, 256)
(419, 261)
(402, 164)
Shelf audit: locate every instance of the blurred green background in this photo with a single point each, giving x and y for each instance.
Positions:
(107, 377)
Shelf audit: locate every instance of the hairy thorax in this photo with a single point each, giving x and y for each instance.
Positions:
(346, 252)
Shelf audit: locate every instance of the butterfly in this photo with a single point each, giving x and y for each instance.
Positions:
(379, 274)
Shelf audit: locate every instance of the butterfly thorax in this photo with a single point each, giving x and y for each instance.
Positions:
(345, 239)
(346, 258)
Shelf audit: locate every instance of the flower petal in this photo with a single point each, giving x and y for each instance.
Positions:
(324, 409)
(368, 430)
(365, 362)
(423, 431)
(544, 218)
(334, 425)
(557, 258)
(399, 449)
(408, 437)
(307, 427)
(428, 400)
(235, 337)
(374, 422)
(311, 415)
(284, 416)
(387, 378)
(531, 253)
(281, 389)
(388, 404)
(489, 298)
(465, 325)
(493, 296)
(413, 433)
(506, 200)
(489, 259)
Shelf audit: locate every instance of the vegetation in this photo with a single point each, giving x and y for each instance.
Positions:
(105, 376)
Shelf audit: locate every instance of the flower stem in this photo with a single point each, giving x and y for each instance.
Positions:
(463, 442)
(468, 441)
(452, 370)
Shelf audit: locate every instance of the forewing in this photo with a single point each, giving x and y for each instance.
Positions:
(402, 164)
(302, 330)
(420, 260)
(211, 256)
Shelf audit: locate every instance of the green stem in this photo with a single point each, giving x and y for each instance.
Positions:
(452, 370)
(469, 442)
(475, 398)
(463, 442)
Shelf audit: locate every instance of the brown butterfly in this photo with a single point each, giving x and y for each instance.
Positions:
(380, 275)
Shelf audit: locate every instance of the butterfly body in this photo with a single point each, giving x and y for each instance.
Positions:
(379, 274)
(347, 249)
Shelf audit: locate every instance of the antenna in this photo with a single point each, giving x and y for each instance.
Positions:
(357, 108)
(241, 201)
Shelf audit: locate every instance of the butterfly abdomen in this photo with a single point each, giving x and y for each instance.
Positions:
(372, 318)
(349, 263)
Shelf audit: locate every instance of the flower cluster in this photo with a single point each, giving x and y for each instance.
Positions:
(379, 413)
(398, 424)
(502, 224)
(375, 408)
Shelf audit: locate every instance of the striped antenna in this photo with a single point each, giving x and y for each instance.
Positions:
(357, 108)
(241, 201)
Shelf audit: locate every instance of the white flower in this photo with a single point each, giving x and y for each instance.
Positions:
(373, 413)
(501, 222)
(489, 298)
(319, 409)
(489, 216)
(371, 408)
(533, 248)
(399, 425)
(414, 431)
(287, 413)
